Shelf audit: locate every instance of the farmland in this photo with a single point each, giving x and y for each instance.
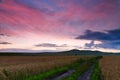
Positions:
(110, 67)
(59, 67)
(15, 67)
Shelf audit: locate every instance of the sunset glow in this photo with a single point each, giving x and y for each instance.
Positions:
(58, 25)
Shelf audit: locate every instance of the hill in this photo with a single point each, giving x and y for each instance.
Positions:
(70, 52)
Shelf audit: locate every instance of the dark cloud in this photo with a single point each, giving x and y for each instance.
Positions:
(104, 44)
(109, 45)
(46, 45)
(101, 36)
(116, 42)
(5, 43)
(50, 45)
(90, 45)
(1, 34)
(110, 39)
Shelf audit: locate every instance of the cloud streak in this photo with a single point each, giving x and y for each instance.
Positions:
(5, 43)
(4, 35)
(50, 45)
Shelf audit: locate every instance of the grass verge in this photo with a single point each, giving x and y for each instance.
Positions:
(96, 75)
(55, 72)
(79, 70)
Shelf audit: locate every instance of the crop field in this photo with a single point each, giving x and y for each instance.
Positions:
(110, 67)
(19, 67)
(59, 67)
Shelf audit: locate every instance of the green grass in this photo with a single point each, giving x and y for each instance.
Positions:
(76, 74)
(79, 70)
(55, 71)
(79, 66)
(47, 74)
(96, 75)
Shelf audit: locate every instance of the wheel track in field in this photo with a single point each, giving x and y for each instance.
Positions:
(87, 75)
(84, 76)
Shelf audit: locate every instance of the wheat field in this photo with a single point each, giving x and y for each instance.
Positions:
(13, 67)
(110, 67)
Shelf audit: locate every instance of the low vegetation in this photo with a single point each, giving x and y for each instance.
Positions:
(82, 68)
(55, 72)
(96, 75)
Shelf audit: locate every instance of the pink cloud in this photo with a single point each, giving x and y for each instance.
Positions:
(73, 11)
(20, 18)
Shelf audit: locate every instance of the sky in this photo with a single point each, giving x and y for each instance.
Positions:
(59, 25)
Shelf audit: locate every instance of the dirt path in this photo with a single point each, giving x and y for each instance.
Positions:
(60, 77)
(84, 76)
(64, 75)
(87, 75)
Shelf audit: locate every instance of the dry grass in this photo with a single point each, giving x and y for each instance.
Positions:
(110, 67)
(13, 67)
